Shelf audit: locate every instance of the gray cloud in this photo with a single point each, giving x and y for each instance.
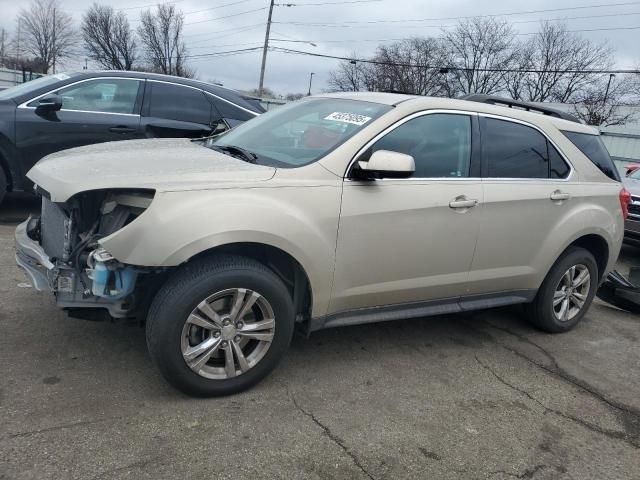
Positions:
(290, 73)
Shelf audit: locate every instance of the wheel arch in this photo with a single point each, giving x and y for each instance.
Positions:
(288, 268)
(598, 247)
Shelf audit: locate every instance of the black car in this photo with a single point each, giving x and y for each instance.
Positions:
(67, 110)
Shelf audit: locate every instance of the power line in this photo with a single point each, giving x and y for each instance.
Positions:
(227, 16)
(226, 45)
(555, 19)
(247, 27)
(344, 40)
(214, 54)
(217, 7)
(324, 3)
(528, 12)
(447, 67)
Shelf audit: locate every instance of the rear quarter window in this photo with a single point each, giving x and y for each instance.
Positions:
(593, 148)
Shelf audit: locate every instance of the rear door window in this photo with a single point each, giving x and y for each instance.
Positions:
(513, 150)
(175, 102)
(593, 148)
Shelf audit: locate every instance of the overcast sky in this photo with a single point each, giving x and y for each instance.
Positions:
(244, 27)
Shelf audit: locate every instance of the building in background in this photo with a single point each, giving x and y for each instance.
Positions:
(622, 141)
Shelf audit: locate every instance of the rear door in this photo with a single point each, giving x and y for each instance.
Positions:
(93, 111)
(529, 189)
(171, 110)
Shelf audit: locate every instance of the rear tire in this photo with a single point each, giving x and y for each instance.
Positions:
(201, 343)
(566, 293)
(3, 184)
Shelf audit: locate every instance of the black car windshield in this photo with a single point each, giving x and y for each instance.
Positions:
(301, 132)
(32, 85)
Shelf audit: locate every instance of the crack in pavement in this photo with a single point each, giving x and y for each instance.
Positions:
(560, 372)
(528, 473)
(60, 427)
(332, 436)
(588, 425)
(137, 464)
(628, 415)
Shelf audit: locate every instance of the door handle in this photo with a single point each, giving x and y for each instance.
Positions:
(559, 196)
(463, 202)
(122, 129)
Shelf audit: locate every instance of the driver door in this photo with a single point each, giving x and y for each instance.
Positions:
(407, 240)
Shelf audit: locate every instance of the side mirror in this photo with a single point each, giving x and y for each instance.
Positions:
(386, 164)
(50, 103)
(630, 169)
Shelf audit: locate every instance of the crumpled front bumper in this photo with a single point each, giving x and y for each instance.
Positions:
(33, 260)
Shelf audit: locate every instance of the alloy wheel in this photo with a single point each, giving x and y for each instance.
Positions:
(228, 333)
(571, 293)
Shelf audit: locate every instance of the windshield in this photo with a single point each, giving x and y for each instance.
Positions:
(32, 85)
(301, 132)
(636, 174)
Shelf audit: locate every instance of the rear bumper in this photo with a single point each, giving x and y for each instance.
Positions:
(32, 259)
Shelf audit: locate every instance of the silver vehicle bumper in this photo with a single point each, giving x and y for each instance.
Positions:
(33, 260)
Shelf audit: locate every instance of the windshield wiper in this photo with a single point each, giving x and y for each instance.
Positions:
(238, 152)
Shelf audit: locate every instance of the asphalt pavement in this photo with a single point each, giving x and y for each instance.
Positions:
(480, 395)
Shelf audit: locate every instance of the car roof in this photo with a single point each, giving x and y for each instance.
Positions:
(218, 90)
(423, 103)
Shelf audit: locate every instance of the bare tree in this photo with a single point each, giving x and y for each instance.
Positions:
(266, 93)
(405, 66)
(48, 32)
(290, 97)
(408, 66)
(480, 51)
(108, 38)
(352, 76)
(556, 59)
(604, 101)
(161, 37)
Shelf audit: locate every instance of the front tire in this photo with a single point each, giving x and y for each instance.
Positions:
(219, 325)
(566, 293)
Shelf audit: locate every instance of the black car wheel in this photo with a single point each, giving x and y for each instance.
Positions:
(566, 293)
(219, 325)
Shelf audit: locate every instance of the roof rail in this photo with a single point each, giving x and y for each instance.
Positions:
(529, 107)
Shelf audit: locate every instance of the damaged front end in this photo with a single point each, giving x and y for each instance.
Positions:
(60, 251)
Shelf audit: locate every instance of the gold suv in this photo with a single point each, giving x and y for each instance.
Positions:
(335, 210)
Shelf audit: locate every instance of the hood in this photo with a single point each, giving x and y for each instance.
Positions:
(632, 185)
(159, 164)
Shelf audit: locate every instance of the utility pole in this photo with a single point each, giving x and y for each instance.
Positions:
(606, 93)
(53, 41)
(264, 50)
(310, 80)
(18, 51)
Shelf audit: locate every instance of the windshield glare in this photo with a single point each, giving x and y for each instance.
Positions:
(27, 87)
(303, 131)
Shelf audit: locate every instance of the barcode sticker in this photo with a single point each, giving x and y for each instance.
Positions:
(344, 117)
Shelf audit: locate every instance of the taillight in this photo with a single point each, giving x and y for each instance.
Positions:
(625, 200)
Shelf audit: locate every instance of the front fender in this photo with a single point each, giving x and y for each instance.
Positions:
(301, 221)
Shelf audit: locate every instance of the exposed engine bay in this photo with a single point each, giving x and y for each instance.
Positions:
(85, 275)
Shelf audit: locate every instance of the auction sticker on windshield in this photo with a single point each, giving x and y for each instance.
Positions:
(352, 118)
